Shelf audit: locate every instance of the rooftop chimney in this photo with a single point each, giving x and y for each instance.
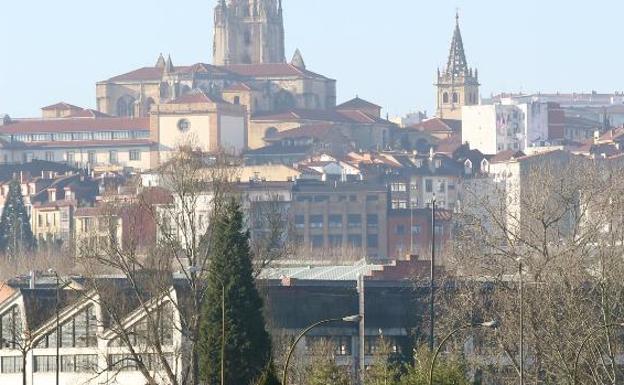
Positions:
(33, 279)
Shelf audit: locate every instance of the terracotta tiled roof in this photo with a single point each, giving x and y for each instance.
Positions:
(506, 155)
(61, 106)
(74, 125)
(357, 103)
(450, 144)
(306, 131)
(141, 74)
(238, 86)
(270, 70)
(349, 116)
(88, 113)
(196, 96)
(437, 124)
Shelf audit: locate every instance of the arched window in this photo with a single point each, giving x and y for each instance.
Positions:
(125, 106)
(164, 91)
(284, 100)
(455, 97)
(445, 97)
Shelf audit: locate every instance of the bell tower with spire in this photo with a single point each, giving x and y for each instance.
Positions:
(248, 32)
(457, 85)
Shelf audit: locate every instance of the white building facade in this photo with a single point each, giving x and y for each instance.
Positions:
(504, 126)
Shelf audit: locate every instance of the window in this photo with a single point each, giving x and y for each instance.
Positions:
(354, 220)
(135, 155)
(372, 221)
(316, 221)
(11, 364)
(354, 240)
(91, 157)
(45, 364)
(455, 97)
(372, 240)
(341, 345)
(429, 185)
(445, 98)
(441, 186)
(416, 229)
(49, 156)
(121, 134)
(335, 240)
(321, 198)
(399, 230)
(335, 221)
(399, 204)
(10, 328)
(184, 125)
(300, 221)
(439, 229)
(398, 187)
(352, 198)
(317, 241)
(112, 157)
(70, 157)
(237, 100)
(372, 198)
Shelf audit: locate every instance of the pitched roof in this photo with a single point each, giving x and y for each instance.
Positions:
(270, 70)
(346, 116)
(196, 96)
(320, 131)
(88, 113)
(507, 155)
(438, 125)
(74, 125)
(357, 103)
(237, 86)
(457, 64)
(61, 106)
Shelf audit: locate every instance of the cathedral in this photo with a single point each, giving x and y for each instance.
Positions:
(457, 85)
(249, 69)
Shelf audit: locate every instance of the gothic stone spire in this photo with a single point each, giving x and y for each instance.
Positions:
(457, 64)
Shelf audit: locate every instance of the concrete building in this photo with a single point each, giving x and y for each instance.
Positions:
(497, 127)
(337, 216)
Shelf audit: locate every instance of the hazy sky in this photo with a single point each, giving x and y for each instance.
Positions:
(386, 51)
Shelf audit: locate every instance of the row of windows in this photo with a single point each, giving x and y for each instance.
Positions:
(416, 229)
(11, 365)
(342, 345)
(69, 363)
(80, 136)
(128, 362)
(336, 221)
(336, 240)
(339, 198)
(140, 334)
(78, 332)
(70, 156)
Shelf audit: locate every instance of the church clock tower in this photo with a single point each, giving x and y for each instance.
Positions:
(457, 85)
(248, 32)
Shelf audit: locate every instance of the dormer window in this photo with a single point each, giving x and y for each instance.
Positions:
(438, 163)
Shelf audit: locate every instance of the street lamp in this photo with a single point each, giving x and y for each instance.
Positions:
(351, 318)
(489, 324)
(521, 295)
(58, 334)
(432, 278)
(585, 341)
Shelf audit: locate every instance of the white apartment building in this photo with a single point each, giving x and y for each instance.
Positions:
(90, 352)
(493, 128)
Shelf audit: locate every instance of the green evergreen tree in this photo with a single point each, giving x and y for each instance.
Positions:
(448, 371)
(385, 368)
(15, 232)
(247, 343)
(323, 369)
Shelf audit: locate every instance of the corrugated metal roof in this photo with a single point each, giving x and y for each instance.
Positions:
(331, 273)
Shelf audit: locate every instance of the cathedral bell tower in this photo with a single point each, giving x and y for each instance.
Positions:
(248, 32)
(457, 85)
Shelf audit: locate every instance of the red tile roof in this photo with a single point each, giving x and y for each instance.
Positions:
(357, 103)
(196, 96)
(88, 113)
(74, 125)
(433, 125)
(320, 131)
(507, 155)
(450, 144)
(348, 116)
(61, 106)
(141, 74)
(238, 86)
(270, 70)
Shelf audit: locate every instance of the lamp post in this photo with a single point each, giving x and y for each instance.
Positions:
(432, 278)
(351, 318)
(521, 295)
(58, 334)
(489, 324)
(584, 342)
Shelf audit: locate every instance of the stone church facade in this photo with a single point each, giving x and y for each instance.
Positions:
(249, 69)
